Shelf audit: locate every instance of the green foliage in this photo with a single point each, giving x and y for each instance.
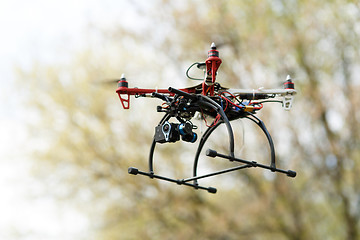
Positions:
(87, 141)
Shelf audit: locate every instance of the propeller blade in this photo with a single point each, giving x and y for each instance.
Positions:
(113, 80)
(108, 81)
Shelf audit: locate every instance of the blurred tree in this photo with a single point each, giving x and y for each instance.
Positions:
(87, 141)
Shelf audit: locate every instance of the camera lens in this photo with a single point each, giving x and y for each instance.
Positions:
(166, 127)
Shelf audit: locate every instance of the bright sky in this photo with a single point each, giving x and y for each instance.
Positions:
(33, 30)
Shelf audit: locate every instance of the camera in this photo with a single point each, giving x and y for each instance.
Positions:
(171, 132)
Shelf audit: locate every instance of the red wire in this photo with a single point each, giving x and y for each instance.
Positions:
(257, 108)
(217, 118)
(228, 101)
(254, 103)
(228, 93)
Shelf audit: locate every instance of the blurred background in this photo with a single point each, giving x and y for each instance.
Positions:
(66, 142)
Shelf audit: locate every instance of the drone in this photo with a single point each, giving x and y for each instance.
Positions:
(210, 100)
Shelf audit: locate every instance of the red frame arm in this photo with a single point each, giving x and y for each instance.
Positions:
(125, 92)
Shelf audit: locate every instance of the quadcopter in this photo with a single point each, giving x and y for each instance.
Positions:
(210, 100)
